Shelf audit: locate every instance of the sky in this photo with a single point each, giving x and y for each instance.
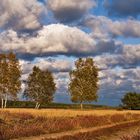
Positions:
(52, 34)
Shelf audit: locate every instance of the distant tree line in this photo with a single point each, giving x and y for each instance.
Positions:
(41, 87)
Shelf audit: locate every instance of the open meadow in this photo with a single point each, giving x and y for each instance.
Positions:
(63, 124)
(70, 112)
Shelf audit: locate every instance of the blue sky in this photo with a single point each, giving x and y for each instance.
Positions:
(52, 34)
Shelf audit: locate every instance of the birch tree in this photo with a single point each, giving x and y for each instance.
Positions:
(83, 84)
(40, 86)
(10, 74)
(3, 78)
(14, 75)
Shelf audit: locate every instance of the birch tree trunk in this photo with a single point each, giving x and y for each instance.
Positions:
(36, 105)
(2, 103)
(81, 105)
(5, 103)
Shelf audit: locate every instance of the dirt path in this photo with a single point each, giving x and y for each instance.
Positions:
(124, 132)
(87, 130)
(128, 132)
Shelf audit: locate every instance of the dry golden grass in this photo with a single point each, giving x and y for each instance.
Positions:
(16, 123)
(69, 113)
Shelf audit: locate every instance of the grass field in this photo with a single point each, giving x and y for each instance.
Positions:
(70, 112)
(17, 123)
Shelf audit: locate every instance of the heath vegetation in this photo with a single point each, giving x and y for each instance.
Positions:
(24, 124)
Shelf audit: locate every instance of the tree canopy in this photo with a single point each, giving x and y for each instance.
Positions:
(14, 74)
(131, 100)
(40, 86)
(3, 75)
(83, 84)
(10, 74)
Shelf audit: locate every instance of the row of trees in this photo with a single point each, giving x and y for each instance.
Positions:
(83, 84)
(40, 85)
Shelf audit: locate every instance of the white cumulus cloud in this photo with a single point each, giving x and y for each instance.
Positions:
(20, 14)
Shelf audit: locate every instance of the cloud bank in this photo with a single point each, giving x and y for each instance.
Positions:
(50, 40)
(104, 27)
